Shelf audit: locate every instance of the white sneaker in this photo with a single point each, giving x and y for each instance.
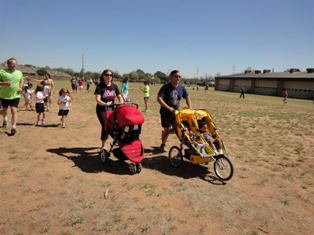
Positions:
(63, 125)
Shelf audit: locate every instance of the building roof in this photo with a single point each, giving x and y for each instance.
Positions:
(270, 75)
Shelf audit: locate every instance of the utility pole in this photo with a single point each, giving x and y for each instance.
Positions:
(82, 70)
(233, 69)
(197, 70)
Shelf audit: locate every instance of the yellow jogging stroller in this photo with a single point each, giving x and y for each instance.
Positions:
(196, 130)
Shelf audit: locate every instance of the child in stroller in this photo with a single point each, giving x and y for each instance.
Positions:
(211, 138)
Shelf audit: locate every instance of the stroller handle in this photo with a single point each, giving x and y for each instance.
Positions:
(114, 106)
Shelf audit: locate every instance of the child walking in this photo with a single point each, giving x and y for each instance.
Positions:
(64, 103)
(40, 106)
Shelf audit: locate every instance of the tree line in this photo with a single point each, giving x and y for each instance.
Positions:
(134, 76)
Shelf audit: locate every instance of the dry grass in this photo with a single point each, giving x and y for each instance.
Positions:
(52, 182)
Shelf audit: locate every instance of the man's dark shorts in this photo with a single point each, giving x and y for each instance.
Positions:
(12, 103)
(167, 118)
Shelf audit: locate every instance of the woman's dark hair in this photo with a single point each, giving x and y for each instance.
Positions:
(125, 79)
(173, 72)
(102, 75)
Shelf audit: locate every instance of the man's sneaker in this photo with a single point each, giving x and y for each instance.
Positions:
(162, 148)
(42, 122)
(63, 125)
(5, 124)
(13, 131)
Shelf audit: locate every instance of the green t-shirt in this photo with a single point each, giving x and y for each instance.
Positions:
(146, 91)
(13, 91)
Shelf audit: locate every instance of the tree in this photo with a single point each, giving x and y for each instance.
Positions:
(161, 76)
(41, 72)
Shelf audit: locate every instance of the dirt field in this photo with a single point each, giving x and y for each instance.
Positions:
(52, 180)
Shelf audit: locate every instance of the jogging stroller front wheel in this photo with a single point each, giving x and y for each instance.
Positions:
(135, 168)
(223, 168)
(175, 156)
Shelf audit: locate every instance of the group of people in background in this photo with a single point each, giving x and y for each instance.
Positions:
(77, 84)
(13, 87)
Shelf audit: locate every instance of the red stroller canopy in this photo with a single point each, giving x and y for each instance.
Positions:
(128, 114)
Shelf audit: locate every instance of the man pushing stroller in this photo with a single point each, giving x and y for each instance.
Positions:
(169, 97)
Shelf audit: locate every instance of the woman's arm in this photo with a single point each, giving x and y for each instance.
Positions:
(102, 103)
(120, 98)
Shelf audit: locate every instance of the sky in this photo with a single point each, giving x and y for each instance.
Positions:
(198, 37)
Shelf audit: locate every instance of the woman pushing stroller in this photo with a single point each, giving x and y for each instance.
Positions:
(105, 94)
(122, 122)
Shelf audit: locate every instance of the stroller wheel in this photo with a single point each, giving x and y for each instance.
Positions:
(138, 168)
(104, 155)
(175, 156)
(223, 168)
(133, 169)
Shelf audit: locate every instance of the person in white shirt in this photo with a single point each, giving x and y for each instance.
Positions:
(40, 106)
(46, 95)
(64, 103)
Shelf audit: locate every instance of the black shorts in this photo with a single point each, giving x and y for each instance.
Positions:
(40, 107)
(146, 98)
(167, 118)
(12, 103)
(63, 112)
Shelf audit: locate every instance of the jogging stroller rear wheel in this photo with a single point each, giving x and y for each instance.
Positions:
(104, 155)
(223, 168)
(175, 156)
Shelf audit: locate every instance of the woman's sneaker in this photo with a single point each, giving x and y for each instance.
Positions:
(4, 124)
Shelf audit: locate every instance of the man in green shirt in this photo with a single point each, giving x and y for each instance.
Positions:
(10, 92)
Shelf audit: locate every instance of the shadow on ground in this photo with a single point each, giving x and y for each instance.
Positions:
(25, 124)
(88, 160)
(160, 162)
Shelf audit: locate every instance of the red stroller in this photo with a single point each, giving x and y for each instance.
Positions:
(124, 126)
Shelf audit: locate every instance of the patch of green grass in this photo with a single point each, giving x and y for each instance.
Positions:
(149, 189)
(144, 228)
(44, 229)
(298, 149)
(74, 220)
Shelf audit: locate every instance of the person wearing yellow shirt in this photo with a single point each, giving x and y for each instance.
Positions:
(145, 89)
(11, 80)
